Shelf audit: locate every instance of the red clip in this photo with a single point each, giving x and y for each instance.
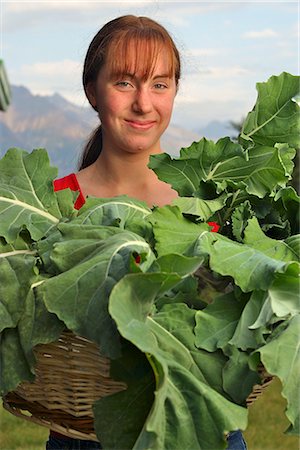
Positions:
(137, 259)
(215, 226)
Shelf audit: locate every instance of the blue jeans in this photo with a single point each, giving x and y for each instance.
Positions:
(56, 443)
(235, 442)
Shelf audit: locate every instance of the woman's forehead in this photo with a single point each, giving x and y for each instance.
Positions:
(143, 59)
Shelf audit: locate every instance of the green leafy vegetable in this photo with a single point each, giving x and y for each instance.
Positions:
(275, 116)
(186, 315)
(25, 194)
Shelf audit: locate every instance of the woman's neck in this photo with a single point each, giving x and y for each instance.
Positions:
(111, 176)
(127, 171)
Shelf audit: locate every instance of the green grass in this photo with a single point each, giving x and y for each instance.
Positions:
(267, 422)
(19, 434)
(265, 431)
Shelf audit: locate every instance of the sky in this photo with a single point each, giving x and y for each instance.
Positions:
(226, 48)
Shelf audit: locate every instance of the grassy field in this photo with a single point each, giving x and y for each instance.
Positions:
(267, 423)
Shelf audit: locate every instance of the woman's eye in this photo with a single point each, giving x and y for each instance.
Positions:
(123, 84)
(160, 86)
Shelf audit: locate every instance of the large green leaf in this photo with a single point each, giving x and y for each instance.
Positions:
(282, 299)
(284, 292)
(37, 325)
(176, 263)
(79, 295)
(75, 244)
(117, 211)
(173, 233)
(183, 374)
(238, 378)
(26, 194)
(22, 242)
(281, 357)
(216, 324)
(122, 212)
(251, 269)
(293, 243)
(263, 172)
(225, 164)
(275, 116)
(13, 363)
(277, 249)
(196, 163)
(244, 337)
(239, 218)
(287, 201)
(17, 272)
(199, 207)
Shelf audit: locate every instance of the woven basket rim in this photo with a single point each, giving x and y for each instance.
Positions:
(22, 404)
(51, 425)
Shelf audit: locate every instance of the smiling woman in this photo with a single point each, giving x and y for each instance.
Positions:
(134, 108)
(130, 52)
(130, 77)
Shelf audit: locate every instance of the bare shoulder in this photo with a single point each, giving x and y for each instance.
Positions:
(90, 182)
(83, 179)
(165, 195)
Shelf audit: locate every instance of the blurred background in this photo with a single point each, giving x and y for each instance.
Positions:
(226, 48)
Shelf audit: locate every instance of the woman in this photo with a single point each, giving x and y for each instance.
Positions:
(130, 77)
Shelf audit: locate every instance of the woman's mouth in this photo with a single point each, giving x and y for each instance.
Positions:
(140, 124)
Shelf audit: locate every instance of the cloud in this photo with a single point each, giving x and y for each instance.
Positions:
(28, 14)
(79, 5)
(260, 34)
(193, 82)
(223, 93)
(178, 14)
(45, 78)
(199, 52)
(65, 68)
(31, 14)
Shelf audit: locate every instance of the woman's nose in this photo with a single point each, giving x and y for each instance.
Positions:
(142, 101)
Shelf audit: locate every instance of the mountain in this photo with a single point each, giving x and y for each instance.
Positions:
(54, 123)
(51, 122)
(216, 129)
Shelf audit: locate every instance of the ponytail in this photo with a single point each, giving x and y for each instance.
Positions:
(92, 149)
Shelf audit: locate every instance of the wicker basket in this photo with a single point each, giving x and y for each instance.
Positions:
(70, 375)
(258, 389)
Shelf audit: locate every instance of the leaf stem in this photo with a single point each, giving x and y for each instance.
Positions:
(17, 252)
(14, 202)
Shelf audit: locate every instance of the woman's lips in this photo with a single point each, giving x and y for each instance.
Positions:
(141, 124)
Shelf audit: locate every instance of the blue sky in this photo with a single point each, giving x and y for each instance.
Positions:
(226, 47)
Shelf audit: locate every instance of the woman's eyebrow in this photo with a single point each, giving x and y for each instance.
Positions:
(119, 74)
(164, 75)
(133, 76)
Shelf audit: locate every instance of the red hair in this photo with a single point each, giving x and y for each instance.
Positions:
(113, 45)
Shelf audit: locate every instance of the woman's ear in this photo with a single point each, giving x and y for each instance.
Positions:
(91, 94)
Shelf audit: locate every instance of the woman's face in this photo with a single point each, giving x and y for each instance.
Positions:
(134, 112)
